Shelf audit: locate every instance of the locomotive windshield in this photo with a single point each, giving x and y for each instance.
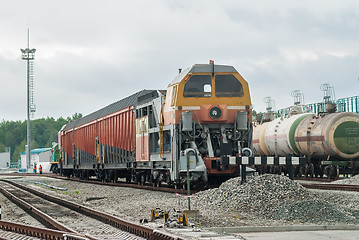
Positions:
(201, 86)
(198, 86)
(228, 86)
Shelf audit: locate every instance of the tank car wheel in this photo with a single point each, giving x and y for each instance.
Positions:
(327, 171)
(301, 172)
(309, 170)
(334, 172)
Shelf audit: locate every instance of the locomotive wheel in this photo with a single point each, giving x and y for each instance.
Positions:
(128, 179)
(143, 179)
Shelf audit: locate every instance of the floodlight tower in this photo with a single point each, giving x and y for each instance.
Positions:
(29, 55)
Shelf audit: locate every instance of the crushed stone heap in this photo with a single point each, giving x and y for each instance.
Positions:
(353, 180)
(272, 197)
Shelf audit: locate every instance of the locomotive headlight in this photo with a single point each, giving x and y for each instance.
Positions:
(229, 135)
(215, 112)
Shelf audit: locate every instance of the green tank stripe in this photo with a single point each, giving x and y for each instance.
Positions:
(346, 137)
(292, 133)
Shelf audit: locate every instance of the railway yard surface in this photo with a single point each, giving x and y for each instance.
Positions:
(268, 201)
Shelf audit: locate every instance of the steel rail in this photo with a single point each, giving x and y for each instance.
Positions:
(43, 233)
(314, 179)
(98, 182)
(122, 184)
(121, 224)
(326, 186)
(95, 181)
(42, 217)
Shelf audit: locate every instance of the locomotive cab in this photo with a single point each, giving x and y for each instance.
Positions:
(211, 107)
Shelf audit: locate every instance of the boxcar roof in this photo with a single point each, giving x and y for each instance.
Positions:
(132, 100)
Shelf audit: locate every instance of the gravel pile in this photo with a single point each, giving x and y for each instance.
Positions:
(274, 198)
(354, 180)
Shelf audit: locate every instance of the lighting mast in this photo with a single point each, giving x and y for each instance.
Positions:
(29, 55)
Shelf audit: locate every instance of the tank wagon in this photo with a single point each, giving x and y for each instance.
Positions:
(152, 135)
(330, 141)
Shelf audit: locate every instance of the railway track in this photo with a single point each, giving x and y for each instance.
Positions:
(314, 179)
(114, 184)
(85, 222)
(324, 186)
(340, 187)
(123, 184)
(10, 230)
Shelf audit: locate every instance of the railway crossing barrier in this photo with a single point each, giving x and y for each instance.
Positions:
(290, 162)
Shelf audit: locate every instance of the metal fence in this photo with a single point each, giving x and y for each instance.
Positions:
(348, 104)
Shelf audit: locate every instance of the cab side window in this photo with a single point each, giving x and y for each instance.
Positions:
(173, 97)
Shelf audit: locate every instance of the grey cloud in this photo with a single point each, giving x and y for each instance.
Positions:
(92, 53)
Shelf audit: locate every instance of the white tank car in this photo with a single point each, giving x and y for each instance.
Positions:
(280, 135)
(259, 146)
(335, 134)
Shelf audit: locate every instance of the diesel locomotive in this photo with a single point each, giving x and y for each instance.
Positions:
(156, 136)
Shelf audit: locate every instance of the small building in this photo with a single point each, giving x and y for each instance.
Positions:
(5, 160)
(40, 156)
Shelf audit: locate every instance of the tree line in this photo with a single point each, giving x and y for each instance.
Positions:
(13, 134)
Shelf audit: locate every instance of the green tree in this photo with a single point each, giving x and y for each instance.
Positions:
(44, 132)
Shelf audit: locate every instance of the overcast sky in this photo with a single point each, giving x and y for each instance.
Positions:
(93, 53)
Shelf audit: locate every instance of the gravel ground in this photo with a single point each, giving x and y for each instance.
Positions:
(10, 212)
(267, 200)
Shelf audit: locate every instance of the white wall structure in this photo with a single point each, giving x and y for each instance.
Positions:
(5, 160)
(40, 156)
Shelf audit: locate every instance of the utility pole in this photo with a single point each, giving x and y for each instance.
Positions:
(29, 55)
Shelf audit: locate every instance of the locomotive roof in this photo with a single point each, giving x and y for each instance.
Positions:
(131, 100)
(204, 68)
